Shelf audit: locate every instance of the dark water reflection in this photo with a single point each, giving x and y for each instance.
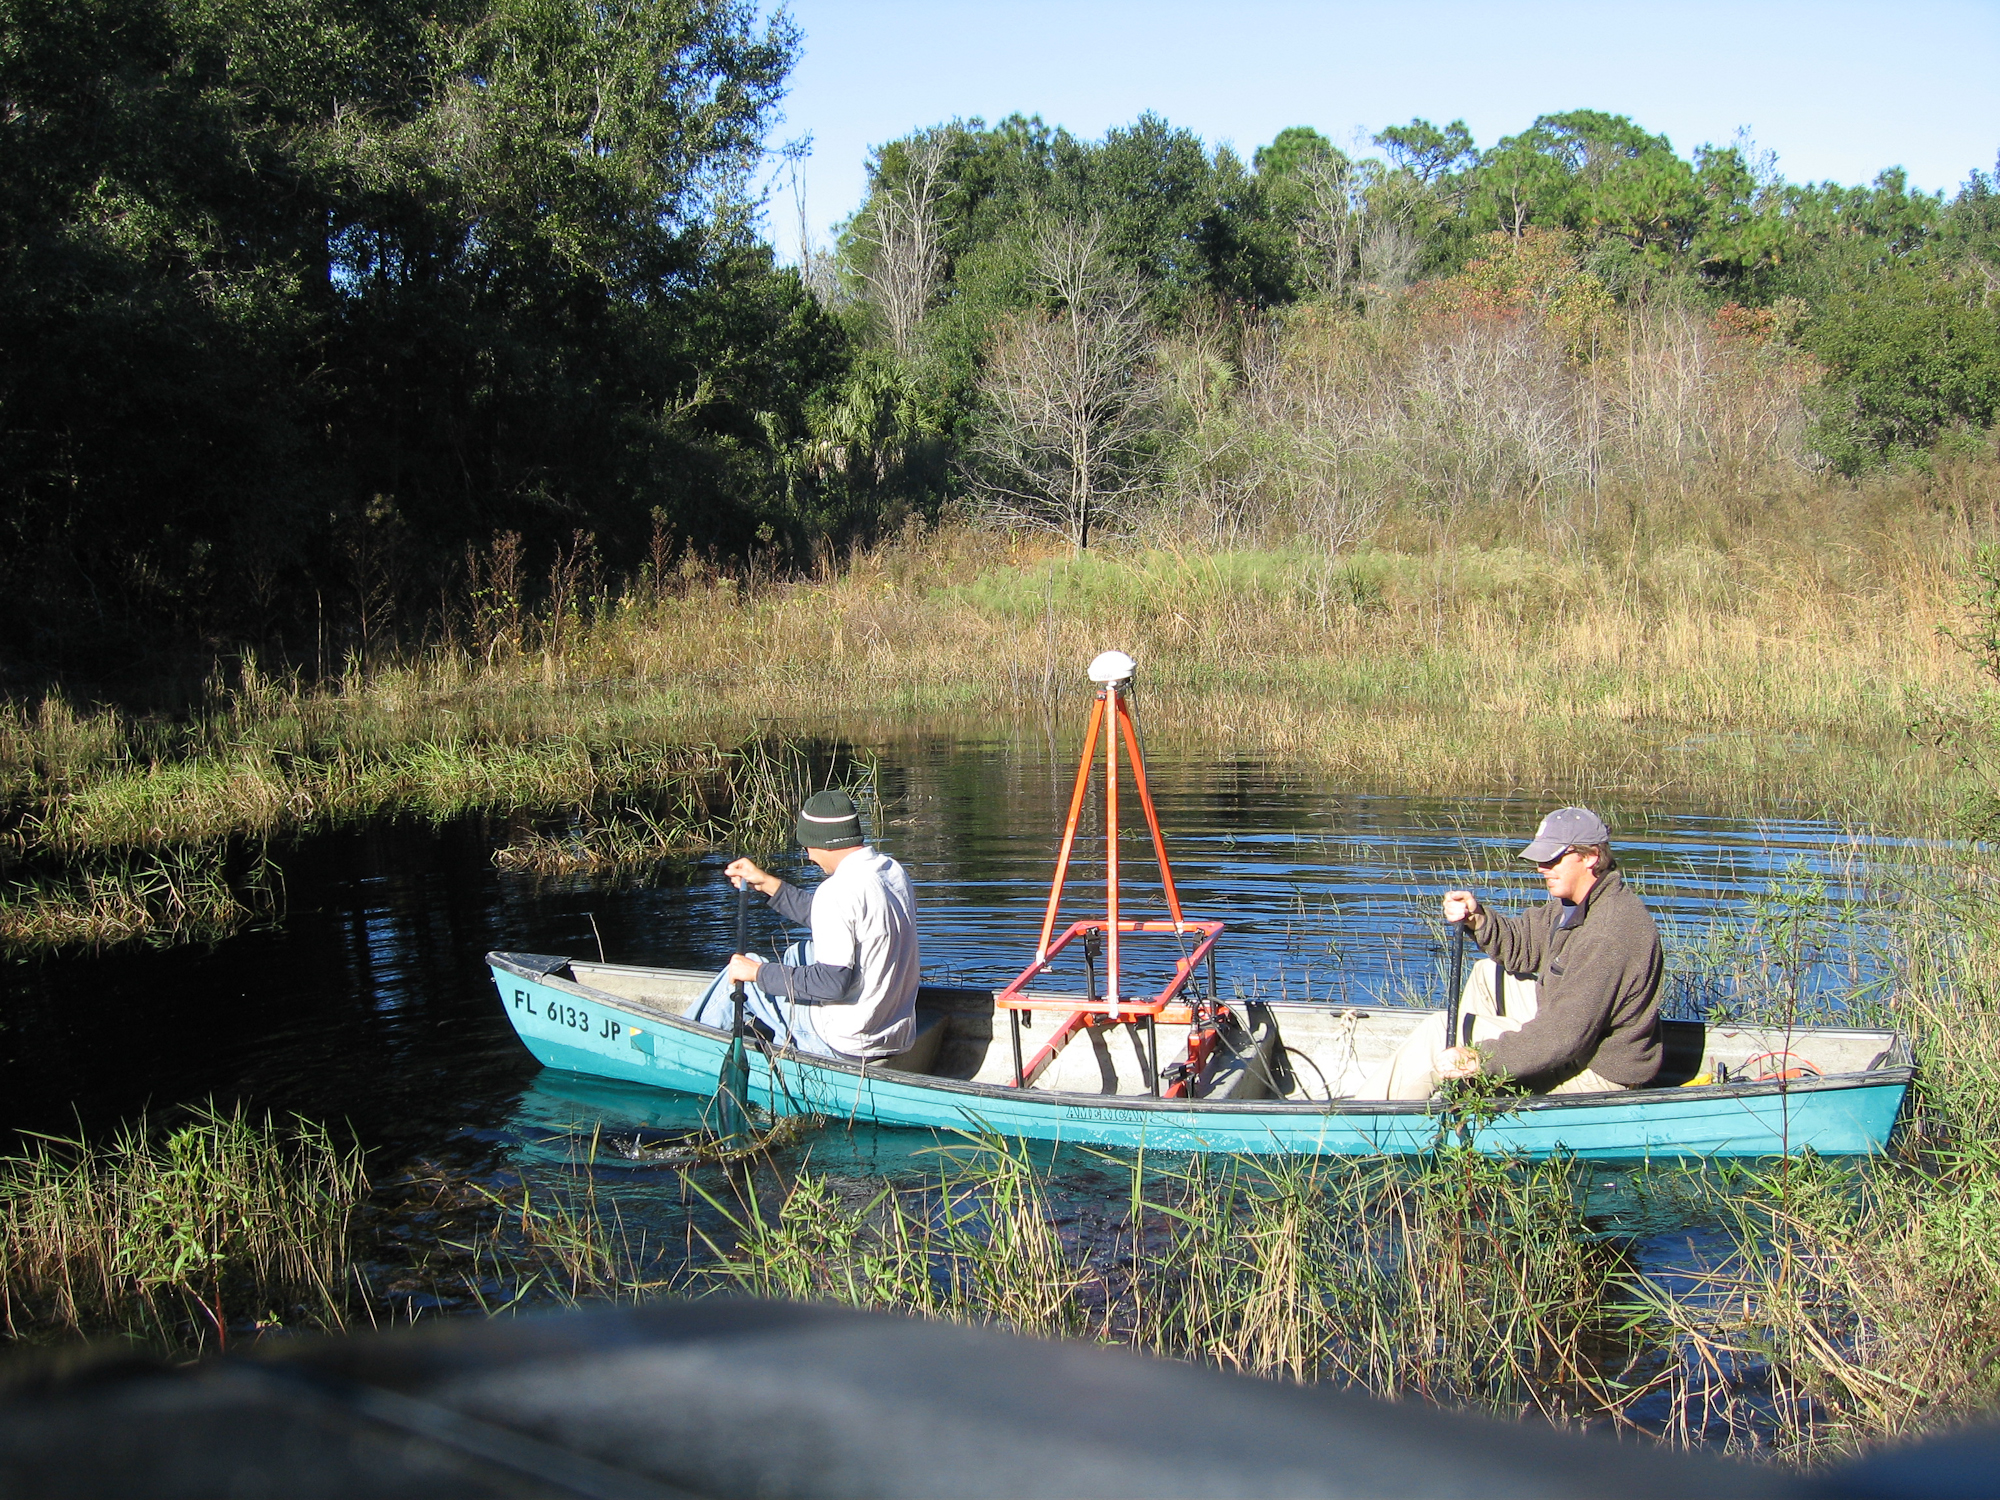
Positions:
(370, 1004)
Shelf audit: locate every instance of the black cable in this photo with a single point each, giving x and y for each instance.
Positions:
(1325, 1087)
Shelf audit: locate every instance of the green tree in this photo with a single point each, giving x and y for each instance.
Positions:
(1912, 353)
(1969, 228)
(1294, 150)
(1599, 176)
(275, 274)
(1427, 153)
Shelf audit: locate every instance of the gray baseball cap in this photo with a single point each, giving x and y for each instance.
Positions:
(1565, 828)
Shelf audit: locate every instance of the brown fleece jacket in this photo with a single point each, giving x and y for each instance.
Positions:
(1598, 993)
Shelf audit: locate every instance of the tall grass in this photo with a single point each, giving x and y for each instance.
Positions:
(1851, 1303)
(178, 849)
(1460, 1279)
(182, 1239)
(1852, 1306)
(177, 894)
(1764, 663)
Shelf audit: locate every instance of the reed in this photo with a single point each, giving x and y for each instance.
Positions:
(628, 839)
(1460, 1279)
(1850, 1304)
(179, 850)
(1851, 1307)
(171, 895)
(180, 1239)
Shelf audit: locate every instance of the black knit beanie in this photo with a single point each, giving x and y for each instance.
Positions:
(830, 820)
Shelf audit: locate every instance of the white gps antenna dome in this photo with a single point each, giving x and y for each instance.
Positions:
(1110, 667)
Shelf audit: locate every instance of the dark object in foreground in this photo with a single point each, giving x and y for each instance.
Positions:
(749, 1398)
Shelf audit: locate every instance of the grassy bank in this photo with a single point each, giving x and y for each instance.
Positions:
(178, 1240)
(1759, 652)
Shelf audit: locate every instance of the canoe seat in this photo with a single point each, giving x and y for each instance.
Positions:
(921, 1055)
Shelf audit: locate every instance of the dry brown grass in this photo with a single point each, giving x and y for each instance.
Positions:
(1770, 652)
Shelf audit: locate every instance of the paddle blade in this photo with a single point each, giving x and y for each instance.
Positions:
(732, 1088)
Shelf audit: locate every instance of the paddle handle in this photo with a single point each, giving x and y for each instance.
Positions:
(1457, 979)
(742, 946)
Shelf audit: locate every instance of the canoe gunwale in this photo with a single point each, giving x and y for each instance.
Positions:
(1897, 1075)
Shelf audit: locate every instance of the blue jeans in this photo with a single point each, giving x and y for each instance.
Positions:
(792, 1025)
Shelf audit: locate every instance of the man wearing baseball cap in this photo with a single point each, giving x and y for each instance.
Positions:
(851, 992)
(1588, 1020)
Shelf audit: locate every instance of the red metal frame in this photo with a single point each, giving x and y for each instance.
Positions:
(1200, 1045)
(1014, 997)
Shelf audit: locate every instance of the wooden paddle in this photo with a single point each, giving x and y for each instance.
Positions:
(733, 1087)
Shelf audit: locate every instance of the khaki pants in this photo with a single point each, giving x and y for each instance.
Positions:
(1413, 1070)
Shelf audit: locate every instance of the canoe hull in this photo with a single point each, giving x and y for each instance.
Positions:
(581, 1030)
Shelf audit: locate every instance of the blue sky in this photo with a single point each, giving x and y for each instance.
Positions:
(1837, 90)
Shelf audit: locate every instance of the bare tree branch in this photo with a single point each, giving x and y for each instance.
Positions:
(902, 229)
(1329, 227)
(1071, 405)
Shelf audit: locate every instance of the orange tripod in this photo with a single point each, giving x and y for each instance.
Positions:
(1111, 714)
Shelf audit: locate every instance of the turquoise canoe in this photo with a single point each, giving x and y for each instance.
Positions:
(1278, 1086)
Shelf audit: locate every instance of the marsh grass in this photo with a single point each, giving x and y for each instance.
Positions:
(1851, 1306)
(170, 895)
(179, 1239)
(1460, 1279)
(749, 800)
(179, 851)
(625, 839)
(1850, 1302)
(1767, 649)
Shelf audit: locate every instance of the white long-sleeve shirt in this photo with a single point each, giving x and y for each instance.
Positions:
(862, 983)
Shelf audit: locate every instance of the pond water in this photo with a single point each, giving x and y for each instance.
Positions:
(369, 1003)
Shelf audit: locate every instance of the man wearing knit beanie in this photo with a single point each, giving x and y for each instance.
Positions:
(851, 992)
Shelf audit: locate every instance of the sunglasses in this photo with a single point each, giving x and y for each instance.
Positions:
(1550, 864)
